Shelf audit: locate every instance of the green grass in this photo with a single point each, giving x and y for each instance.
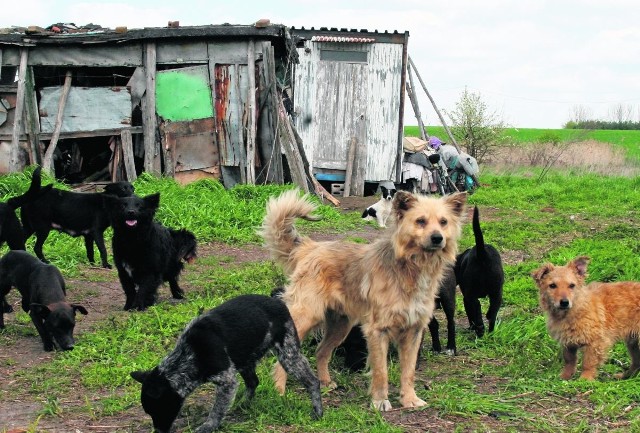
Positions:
(507, 381)
(629, 140)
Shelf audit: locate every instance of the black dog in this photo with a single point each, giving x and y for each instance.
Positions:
(43, 296)
(447, 301)
(480, 274)
(11, 230)
(145, 252)
(226, 340)
(74, 213)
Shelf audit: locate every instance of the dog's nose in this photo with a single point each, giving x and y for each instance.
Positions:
(436, 238)
(564, 304)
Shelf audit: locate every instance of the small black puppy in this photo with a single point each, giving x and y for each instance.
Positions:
(43, 296)
(74, 213)
(447, 301)
(480, 274)
(145, 252)
(226, 340)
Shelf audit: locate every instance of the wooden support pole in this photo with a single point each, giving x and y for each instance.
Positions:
(414, 103)
(149, 121)
(290, 148)
(241, 126)
(269, 121)
(127, 154)
(351, 155)
(435, 107)
(47, 163)
(33, 120)
(17, 120)
(251, 107)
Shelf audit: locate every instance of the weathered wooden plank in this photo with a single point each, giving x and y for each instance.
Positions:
(47, 163)
(101, 56)
(96, 133)
(31, 110)
(17, 121)
(353, 144)
(360, 160)
(269, 144)
(240, 123)
(127, 154)
(290, 150)
(150, 124)
(251, 109)
(87, 108)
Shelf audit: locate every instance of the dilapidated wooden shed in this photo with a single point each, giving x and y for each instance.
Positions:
(349, 103)
(205, 101)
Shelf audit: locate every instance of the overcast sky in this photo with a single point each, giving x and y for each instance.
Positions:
(531, 61)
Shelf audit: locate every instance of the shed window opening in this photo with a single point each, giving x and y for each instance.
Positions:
(344, 56)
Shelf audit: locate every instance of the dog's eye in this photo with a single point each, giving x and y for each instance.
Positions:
(572, 286)
(552, 285)
(421, 222)
(443, 222)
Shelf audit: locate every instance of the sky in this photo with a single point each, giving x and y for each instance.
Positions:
(534, 63)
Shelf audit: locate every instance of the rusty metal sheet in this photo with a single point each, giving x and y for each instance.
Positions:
(192, 144)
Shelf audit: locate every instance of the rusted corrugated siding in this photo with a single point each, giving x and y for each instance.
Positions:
(330, 96)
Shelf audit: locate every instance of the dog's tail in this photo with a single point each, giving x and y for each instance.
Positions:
(34, 191)
(477, 233)
(278, 229)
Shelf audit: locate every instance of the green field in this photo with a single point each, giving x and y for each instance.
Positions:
(630, 140)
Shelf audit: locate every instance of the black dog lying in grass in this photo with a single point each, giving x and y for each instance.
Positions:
(74, 213)
(226, 340)
(480, 274)
(145, 252)
(43, 296)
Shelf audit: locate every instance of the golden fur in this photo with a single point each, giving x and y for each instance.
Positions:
(388, 286)
(589, 317)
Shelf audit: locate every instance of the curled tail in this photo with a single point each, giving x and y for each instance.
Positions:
(34, 191)
(477, 233)
(278, 229)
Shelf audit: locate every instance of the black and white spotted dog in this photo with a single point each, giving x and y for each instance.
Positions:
(380, 210)
(226, 340)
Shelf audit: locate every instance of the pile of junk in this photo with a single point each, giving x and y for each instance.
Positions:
(435, 167)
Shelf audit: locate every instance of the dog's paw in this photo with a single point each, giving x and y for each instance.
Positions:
(381, 405)
(107, 266)
(450, 352)
(412, 402)
(328, 386)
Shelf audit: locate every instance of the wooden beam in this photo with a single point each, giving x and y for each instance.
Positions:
(290, 148)
(435, 107)
(33, 120)
(274, 172)
(149, 121)
(17, 120)
(47, 163)
(240, 119)
(403, 83)
(251, 108)
(414, 103)
(360, 160)
(127, 154)
(351, 154)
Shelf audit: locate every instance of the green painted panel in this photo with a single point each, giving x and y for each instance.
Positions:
(184, 94)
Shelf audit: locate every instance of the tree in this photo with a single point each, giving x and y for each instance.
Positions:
(621, 113)
(477, 128)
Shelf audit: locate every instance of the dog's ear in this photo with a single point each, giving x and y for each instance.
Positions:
(40, 310)
(402, 202)
(579, 265)
(383, 190)
(79, 309)
(539, 273)
(140, 376)
(152, 201)
(457, 202)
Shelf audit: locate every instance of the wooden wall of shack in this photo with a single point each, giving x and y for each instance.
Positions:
(237, 141)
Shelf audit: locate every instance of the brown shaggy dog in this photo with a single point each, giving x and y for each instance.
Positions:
(591, 317)
(388, 286)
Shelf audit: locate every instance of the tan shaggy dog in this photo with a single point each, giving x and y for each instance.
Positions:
(589, 317)
(388, 286)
